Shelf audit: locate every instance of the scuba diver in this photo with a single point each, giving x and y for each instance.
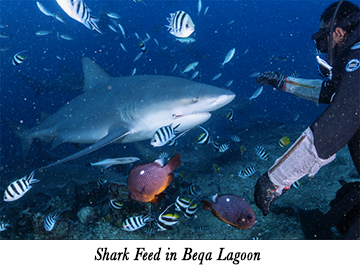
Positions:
(338, 125)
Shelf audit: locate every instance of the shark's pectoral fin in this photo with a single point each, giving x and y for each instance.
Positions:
(114, 134)
(55, 143)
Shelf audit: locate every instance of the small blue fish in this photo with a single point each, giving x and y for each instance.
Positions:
(229, 83)
(217, 76)
(235, 138)
(4, 226)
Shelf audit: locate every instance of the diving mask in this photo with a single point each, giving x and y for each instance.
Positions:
(320, 39)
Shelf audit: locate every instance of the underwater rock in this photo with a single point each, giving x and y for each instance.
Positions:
(86, 215)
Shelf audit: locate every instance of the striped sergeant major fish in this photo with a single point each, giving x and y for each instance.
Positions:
(19, 187)
(180, 24)
(78, 10)
(223, 148)
(163, 135)
(247, 172)
(295, 116)
(18, 58)
(50, 221)
(261, 152)
(134, 223)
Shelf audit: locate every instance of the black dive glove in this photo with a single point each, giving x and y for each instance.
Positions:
(265, 193)
(273, 78)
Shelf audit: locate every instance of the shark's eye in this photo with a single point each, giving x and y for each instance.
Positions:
(195, 99)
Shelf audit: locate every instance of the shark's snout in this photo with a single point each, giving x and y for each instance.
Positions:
(222, 100)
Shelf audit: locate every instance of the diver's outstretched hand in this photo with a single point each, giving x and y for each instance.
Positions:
(273, 78)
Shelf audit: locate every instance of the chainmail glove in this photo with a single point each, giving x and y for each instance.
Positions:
(265, 193)
(273, 78)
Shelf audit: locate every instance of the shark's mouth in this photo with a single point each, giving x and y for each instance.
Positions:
(189, 121)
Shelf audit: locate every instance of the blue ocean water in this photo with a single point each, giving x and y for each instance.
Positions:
(264, 28)
(267, 35)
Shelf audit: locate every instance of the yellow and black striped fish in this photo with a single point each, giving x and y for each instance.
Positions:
(18, 58)
(190, 211)
(204, 138)
(165, 221)
(230, 115)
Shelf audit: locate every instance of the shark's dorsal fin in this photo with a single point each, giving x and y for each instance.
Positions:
(94, 76)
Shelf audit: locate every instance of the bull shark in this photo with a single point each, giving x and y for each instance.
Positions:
(125, 110)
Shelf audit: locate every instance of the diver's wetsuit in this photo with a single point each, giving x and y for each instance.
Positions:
(339, 124)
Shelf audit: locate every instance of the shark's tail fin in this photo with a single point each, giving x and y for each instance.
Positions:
(24, 135)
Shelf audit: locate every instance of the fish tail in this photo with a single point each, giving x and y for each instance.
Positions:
(25, 136)
(174, 162)
(93, 20)
(207, 204)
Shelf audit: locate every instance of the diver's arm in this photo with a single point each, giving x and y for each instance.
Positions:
(317, 145)
(340, 121)
(304, 88)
